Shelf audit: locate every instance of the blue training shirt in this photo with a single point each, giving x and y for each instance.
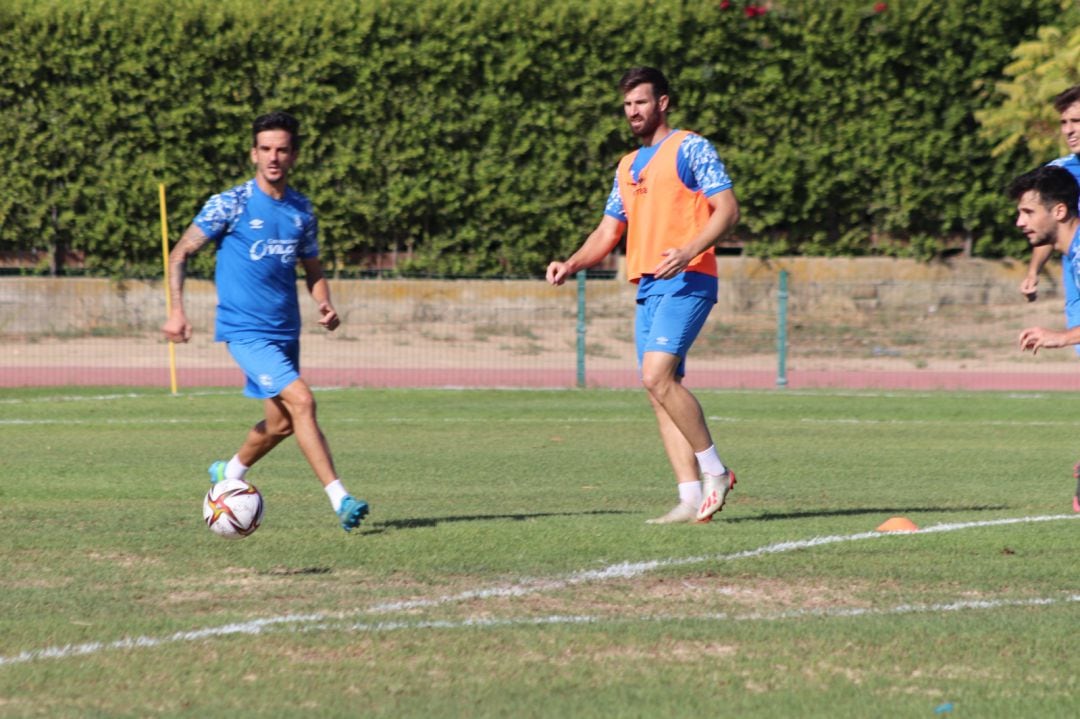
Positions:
(698, 165)
(1070, 163)
(700, 168)
(1070, 266)
(259, 241)
(1069, 279)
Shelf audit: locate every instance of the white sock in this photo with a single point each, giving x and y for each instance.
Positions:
(709, 461)
(337, 493)
(690, 493)
(235, 469)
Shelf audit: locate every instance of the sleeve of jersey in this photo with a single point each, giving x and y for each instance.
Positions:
(217, 213)
(309, 243)
(614, 207)
(701, 168)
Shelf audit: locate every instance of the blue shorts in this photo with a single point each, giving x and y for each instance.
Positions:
(669, 323)
(269, 365)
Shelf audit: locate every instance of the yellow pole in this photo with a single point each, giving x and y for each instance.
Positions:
(168, 298)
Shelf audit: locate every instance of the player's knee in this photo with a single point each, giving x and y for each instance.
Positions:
(301, 404)
(657, 384)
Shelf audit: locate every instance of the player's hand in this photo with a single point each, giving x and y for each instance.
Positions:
(672, 262)
(328, 316)
(557, 273)
(1033, 338)
(177, 328)
(1029, 288)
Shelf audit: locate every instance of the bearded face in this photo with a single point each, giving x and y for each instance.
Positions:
(644, 111)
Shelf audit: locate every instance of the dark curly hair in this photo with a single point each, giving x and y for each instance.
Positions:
(277, 120)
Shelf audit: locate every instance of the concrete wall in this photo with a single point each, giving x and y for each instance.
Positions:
(44, 306)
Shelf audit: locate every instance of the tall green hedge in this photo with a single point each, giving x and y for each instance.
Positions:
(480, 136)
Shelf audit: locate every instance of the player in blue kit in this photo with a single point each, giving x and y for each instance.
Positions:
(673, 199)
(1068, 106)
(1046, 212)
(262, 229)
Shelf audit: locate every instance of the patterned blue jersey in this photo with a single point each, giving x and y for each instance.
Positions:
(1070, 163)
(700, 168)
(259, 241)
(1070, 280)
(698, 165)
(1070, 270)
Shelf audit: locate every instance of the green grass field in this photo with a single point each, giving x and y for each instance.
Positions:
(506, 569)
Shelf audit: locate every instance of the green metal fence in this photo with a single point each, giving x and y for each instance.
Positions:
(781, 330)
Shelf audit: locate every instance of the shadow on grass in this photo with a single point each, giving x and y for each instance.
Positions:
(889, 511)
(436, 521)
(294, 571)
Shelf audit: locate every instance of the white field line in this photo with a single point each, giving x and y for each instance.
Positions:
(854, 394)
(933, 422)
(629, 570)
(554, 619)
(854, 421)
(113, 397)
(111, 422)
(526, 587)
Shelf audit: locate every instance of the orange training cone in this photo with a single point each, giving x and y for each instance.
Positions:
(898, 524)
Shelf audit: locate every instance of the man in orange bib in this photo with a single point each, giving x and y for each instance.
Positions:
(675, 200)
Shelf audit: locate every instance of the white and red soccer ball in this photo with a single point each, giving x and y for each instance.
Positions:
(233, 508)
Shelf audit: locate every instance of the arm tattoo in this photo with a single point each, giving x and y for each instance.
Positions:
(190, 242)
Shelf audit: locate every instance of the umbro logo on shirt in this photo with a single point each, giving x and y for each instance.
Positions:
(256, 224)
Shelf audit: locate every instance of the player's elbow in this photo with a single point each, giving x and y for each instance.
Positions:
(732, 210)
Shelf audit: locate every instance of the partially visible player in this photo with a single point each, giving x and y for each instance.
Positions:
(262, 228)
(1068, 106)
(1046, 212)
(675, 200)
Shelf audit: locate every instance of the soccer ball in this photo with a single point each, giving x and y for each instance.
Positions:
(233, 508)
